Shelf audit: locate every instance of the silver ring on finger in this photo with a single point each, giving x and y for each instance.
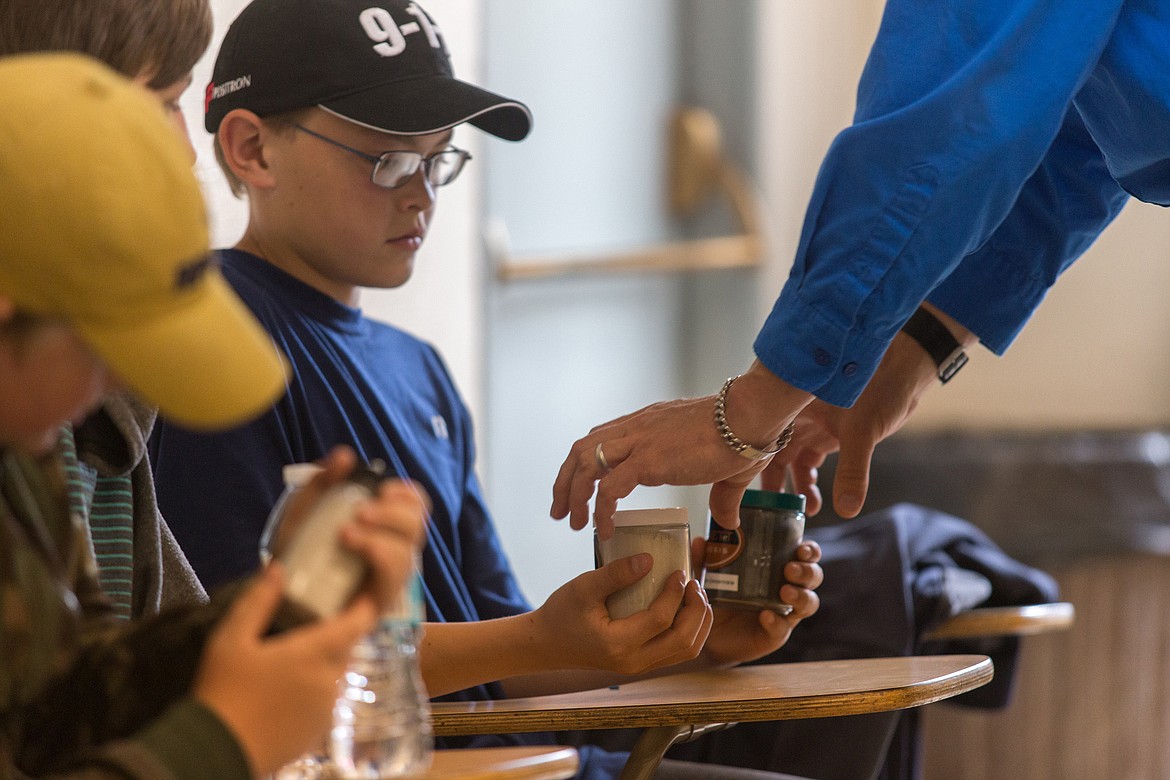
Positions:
(599, 456)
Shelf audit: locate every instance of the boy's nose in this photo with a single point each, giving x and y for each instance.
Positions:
(419, 190)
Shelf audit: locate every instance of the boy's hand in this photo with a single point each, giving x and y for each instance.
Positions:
(741, 635)
(388, 529)
(276, 694)
(575, 623)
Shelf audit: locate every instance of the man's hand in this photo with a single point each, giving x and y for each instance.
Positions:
(888, 401)
(675, 443)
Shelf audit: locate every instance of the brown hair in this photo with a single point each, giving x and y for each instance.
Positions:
(162, 38)
(281, 123)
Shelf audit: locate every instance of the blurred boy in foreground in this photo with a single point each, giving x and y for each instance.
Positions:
(106, 282)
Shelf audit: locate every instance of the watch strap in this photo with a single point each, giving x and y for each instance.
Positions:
(938, 341)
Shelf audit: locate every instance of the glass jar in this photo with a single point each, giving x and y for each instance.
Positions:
(744, 567)
(665, 534)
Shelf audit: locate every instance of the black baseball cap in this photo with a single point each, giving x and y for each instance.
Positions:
(379, 63)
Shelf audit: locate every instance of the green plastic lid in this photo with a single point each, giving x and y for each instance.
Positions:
(766, 499)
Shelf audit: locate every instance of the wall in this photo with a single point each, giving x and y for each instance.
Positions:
(569, 352)
(1095, 355)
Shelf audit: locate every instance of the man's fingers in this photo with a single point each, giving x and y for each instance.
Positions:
(851, 482)
(614, 486)
(773, 475)
(808, 551)
(724, 503)
(564, 486)
(339, 462)
(804, 575)
(660, 614)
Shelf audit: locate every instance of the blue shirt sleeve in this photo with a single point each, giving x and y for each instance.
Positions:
(1062, 209)
(957, 108)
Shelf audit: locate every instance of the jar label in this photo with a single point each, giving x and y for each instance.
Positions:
(724, 545)
(719, 581)
(745, 566)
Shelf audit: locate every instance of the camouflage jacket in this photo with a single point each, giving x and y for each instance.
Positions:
(82, 694)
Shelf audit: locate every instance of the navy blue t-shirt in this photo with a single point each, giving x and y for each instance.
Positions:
(384, 393)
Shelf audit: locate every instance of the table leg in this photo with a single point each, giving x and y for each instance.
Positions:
(653, 743)
(649, 749)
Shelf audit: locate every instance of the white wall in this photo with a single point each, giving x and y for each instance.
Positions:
(443, 302)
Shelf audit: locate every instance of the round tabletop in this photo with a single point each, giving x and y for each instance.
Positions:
(1006, 621)
(503, 763)
(746, 693)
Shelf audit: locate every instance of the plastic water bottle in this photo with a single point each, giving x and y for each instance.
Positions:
(382, 718)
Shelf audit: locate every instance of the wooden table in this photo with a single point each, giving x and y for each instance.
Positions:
(671, 707)
(503, 763)
(1006, 621)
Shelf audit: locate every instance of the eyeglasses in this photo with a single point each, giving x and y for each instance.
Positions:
(394, 169)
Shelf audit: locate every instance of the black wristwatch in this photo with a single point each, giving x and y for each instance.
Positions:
(938, 342)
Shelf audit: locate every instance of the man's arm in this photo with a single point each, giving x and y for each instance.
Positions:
(1063, 207)
(957, 108)
(906, 372)
(958, 105)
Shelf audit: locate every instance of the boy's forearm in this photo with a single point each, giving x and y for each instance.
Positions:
(455, 656)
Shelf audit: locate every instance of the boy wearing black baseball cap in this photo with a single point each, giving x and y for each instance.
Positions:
(335, 117)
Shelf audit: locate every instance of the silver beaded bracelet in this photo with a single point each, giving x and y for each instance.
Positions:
(742, 448)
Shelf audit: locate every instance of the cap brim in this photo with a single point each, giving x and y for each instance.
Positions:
(206, 364)
(432, 104)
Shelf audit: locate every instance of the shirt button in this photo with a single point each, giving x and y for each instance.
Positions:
(822, 357)
(849, 369)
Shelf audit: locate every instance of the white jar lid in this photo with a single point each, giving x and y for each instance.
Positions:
(665, 516)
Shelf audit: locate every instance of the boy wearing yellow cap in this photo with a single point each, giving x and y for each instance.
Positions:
(106, 282)
(155, 43)
(336, 117)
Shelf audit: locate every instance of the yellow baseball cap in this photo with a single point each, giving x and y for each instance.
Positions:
(102, 225)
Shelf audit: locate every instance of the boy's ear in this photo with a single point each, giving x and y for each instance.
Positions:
(7, 309)
(242, 137)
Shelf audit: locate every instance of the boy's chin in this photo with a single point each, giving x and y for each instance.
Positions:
(396, 276)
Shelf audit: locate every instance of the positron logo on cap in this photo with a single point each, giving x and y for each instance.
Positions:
(215, 91)
(389, 38)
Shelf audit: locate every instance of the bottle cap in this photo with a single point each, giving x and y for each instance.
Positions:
(368, 476)
(297, 475)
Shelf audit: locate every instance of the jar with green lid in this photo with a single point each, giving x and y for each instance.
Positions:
(744, 567)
